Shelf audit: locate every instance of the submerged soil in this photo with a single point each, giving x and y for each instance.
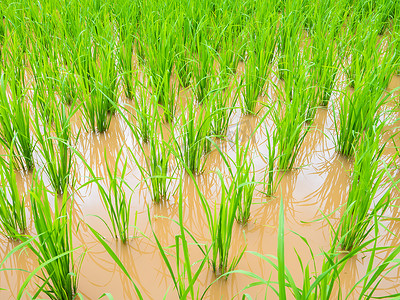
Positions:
(317, 187)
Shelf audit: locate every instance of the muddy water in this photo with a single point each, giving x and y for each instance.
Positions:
(317, 187)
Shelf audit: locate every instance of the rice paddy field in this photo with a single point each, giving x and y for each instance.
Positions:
(242, 149)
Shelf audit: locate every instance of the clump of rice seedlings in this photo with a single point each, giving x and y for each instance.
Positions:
(222, 107)
(260, 52)
(157, 43)
(230, 46)
(15, 122)
(157, 173)
(116, 202)
(202, 66)
(252, 85)
(184, 44)
(68, 86)
(319, 284)
(244, 182)
(325, 49)
(290, 30)
(53, 246)
(220, 223)
(359, 111)
(170, 91)
(125, 59)
(12, 204)
(144, 109)
(292, 115)
(368, 53)
(182, 275)
(362, 208)
(272, 178)
(262, 38)
(55, 143)
(98, 77)
(194, 131)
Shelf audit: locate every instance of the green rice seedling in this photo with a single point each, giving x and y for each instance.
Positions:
(44, 98)
(12, 204)
(68, 87)
(194, 131)
(326, 53)
(14, 61)
(262, 39)
(53, 246)
(244, 181)
(171, 92)
(362, 206)
(184, 44)
(159, 48)
(220, 224)
(183, 277)
(356, 114)
(99, 80)
(272, 176)
(252, 84)
(368, 53)
(291, 116)
(230, 47)
(55, 141)
(157, 173)
(222, 107)
(117, 203)
(396, 43)
(290, 30)
(125, 58)
(321, 284)
(15, 122)
(203, 65)
(144, 110)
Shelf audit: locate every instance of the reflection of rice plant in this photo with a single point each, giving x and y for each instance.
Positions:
(12, 205)
(321, 284)
(183, 277)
